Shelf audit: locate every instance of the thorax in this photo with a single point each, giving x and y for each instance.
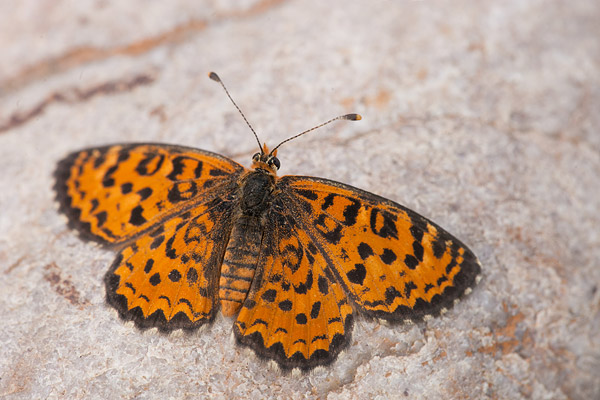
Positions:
(256, 189)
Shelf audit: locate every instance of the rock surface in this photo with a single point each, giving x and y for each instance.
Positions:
(481, 115)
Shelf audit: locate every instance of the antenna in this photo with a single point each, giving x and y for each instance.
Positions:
(351, 117)
(216, 78)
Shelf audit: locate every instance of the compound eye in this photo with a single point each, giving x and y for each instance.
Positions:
(256, 157)
(274, 161)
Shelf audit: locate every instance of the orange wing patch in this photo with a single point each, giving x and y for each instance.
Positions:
(111, 194)
(295, 314)
(393, 263)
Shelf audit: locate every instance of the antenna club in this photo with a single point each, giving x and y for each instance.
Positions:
(214, 76)
(353, 117)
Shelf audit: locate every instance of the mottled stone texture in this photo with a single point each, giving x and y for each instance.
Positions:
(480, 115)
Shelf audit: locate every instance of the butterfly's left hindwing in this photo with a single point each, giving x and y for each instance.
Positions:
(393, 263)
(169, 278)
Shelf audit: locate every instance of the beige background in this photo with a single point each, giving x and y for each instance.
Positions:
(482, 115)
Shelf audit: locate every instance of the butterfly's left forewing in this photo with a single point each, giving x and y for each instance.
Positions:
(111, 194)
(393, 263)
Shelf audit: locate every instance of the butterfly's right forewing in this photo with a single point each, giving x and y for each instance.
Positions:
(393, 263)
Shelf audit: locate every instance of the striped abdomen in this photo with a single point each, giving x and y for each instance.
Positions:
(239, 264)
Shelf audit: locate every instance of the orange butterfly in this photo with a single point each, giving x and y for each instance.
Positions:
(294, 257)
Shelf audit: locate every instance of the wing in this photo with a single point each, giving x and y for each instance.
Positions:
(112, 194)
(393, 263)
(169, 277)
(295, 313)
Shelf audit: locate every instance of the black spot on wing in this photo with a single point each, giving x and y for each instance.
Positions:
(218, 172)
(351, 212)
(410, 261)
(149, 265)
(331, 234)
(144, 193)
(150, 164)
(383, 223)
(158, 231)
(157, 242)
(327, 201)
(101, 217)
(155, 279)
(95, 204)
(285, 305)
(130, 286)
(181, 191)
(388, 256)
(192, 275)
(309, 194)
(169, 250)
(136, 218)
(174, 275)
(177, 168)
(390, 294)
(364, 250)
(408, 288)
(108, 180)
(418, 251)
(269, 295)
(126, 188)
(416, 231)
(358, 274)
(323, 285)
(99, 160)
(301, 319)
(316, 308)
(260, 322)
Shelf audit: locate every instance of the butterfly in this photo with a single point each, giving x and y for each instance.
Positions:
(295, 258)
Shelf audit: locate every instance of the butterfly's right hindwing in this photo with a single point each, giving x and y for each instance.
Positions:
(295, 313)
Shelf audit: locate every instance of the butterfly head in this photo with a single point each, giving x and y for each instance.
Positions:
(266, 160)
